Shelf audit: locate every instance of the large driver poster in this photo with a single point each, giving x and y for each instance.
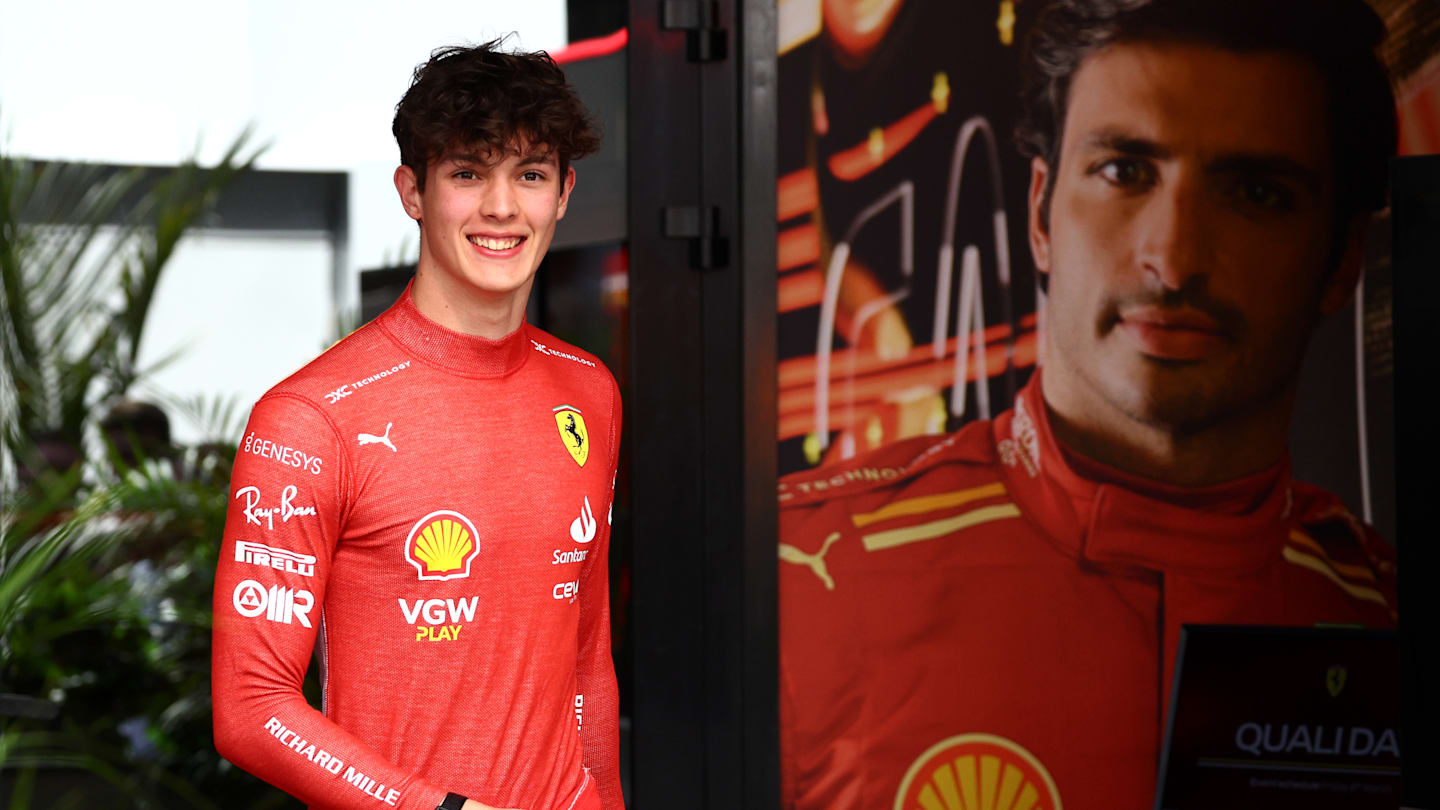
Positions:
(977, 608)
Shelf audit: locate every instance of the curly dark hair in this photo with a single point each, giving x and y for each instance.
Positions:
(484, 96)
(1340, 37)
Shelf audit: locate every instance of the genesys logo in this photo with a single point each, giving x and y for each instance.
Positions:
(256, 446)
(442, 545)
(438, 619)
(277, 604)
(265, 516)
(351, 387)
(278, 558)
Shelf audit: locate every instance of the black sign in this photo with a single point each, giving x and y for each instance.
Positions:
(1271, 717)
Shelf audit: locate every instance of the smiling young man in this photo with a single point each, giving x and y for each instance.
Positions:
(427, 502)
(995, 613)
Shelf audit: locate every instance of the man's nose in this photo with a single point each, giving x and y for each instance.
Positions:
(498, 201)
(1174, 240)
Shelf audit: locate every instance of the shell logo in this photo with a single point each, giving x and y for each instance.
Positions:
(977, 772)
(441, 545)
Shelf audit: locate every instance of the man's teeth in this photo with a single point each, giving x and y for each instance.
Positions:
(495, 244)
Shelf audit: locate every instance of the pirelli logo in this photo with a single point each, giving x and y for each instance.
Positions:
(278, 558)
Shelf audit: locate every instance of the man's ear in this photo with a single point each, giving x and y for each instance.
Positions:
(567, 184)
(1341, 284)
(409, 191)
(1038, 229)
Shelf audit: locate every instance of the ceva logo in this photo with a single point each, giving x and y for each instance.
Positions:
(442, 545)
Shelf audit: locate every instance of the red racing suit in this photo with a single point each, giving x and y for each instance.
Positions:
(434, 507)
(985, 620)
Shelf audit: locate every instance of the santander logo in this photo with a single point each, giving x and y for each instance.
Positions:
(582, 529)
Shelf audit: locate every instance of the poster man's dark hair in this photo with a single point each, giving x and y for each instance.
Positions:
(1340, 37)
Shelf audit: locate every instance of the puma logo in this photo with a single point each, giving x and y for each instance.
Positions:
(366, 438)
(816, 561)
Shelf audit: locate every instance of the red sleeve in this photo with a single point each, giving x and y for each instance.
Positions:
(597, 700)
(788, 790)
(791, 533)
(288, 499)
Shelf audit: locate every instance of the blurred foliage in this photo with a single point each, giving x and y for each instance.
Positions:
(108, 617)
(108, 540)
(82, 248)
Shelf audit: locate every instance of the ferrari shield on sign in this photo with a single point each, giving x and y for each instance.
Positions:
(1335, 680)
(572, 432)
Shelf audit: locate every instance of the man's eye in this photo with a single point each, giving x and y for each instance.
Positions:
(1269, 196)
(533, 177)
(464, 174)
(1127, 172)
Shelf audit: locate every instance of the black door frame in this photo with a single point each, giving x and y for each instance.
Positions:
(1415, 245)
(702, 413)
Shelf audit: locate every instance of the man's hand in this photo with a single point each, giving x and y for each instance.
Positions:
(471, 804)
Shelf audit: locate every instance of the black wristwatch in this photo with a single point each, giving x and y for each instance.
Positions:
(453, 801)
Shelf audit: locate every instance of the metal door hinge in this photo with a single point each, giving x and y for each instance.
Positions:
(701, 226)
(699, 19)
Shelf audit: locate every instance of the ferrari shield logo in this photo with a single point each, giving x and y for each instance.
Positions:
(1335, 680)
(572, 432)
